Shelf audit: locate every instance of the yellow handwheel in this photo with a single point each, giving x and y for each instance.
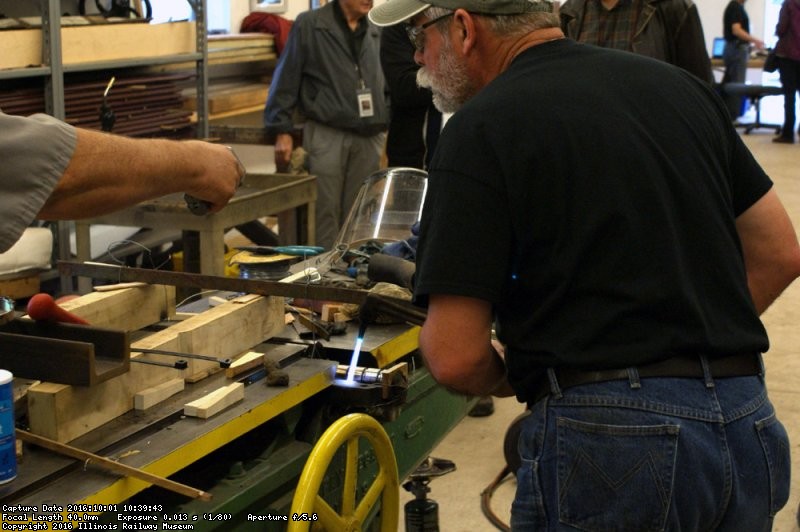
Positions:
(309, 508)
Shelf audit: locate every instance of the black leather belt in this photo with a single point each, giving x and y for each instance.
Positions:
(681, 367)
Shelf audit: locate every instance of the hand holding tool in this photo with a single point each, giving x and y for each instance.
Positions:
(201, 207)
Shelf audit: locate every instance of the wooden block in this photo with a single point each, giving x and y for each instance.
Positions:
(215, 402)
(202, 374)
(247, 361)
(63, 413)
(329, 310)
(128, 309)
(151, 396)
(17, 286)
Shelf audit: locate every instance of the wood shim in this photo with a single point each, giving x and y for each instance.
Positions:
(63, 413)
(152, 396)
(247, 361)
(215, 402)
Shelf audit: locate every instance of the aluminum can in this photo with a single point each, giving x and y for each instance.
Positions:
(8, 451)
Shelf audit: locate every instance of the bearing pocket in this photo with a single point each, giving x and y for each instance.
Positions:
(775, 443)
(615, 478)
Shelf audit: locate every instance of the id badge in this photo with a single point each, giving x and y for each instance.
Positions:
(365, 108)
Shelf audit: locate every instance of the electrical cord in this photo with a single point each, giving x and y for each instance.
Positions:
(486, 499)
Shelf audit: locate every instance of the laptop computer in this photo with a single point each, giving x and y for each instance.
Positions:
(718, 48)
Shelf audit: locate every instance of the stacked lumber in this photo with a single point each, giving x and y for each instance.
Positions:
(230, 97)
(145, 105)
(241, 48)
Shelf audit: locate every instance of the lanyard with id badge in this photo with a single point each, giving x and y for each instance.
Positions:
(366, 107)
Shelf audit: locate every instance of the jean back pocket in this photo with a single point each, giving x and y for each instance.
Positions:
(615, 478)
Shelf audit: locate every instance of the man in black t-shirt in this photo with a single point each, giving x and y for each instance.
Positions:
(736, 30)
(599, 207)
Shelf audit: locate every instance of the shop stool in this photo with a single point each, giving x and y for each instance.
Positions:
(754, 93)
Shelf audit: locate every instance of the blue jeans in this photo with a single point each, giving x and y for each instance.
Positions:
(735, 56)
(653, 454)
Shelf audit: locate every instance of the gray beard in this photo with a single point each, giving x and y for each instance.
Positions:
(452, 87)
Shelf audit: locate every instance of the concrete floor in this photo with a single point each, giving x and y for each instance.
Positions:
(476, 444)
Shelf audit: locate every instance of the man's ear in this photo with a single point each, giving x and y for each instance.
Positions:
(465, 30)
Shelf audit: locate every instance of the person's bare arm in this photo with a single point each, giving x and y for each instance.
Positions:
(739, 32)
(455, 342)
(771, 250)
(110, 172)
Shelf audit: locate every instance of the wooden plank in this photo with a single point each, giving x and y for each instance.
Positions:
(228, 97)
(64, 413)
(215, 402)
(129, 309)
(102, 42)
(247, 361)
(17, 286)
(152, 396)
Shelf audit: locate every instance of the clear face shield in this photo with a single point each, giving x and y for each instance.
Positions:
(382, 221)
(386, 208)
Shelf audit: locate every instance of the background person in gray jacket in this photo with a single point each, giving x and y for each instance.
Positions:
(330, 74)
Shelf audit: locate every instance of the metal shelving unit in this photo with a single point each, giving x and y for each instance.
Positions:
(52, 71)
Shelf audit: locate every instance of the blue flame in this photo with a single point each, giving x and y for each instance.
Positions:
(354, 359)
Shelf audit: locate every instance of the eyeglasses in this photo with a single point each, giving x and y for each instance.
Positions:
(417, 33)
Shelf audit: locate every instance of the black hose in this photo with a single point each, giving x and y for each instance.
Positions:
(486, 499)
(390, 269)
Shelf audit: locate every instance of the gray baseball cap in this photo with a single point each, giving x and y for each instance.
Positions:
(395, 11)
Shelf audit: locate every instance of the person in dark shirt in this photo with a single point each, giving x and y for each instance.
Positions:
(624, 272)
(414, 121)
(736, 30)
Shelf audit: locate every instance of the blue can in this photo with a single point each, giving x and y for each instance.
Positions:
(8, 451)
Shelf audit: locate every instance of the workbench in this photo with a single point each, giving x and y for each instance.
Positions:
(260, 195)
(250, 455)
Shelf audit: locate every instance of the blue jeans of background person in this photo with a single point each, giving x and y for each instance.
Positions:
(653, 454)
(735, 56)
(790, 81)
